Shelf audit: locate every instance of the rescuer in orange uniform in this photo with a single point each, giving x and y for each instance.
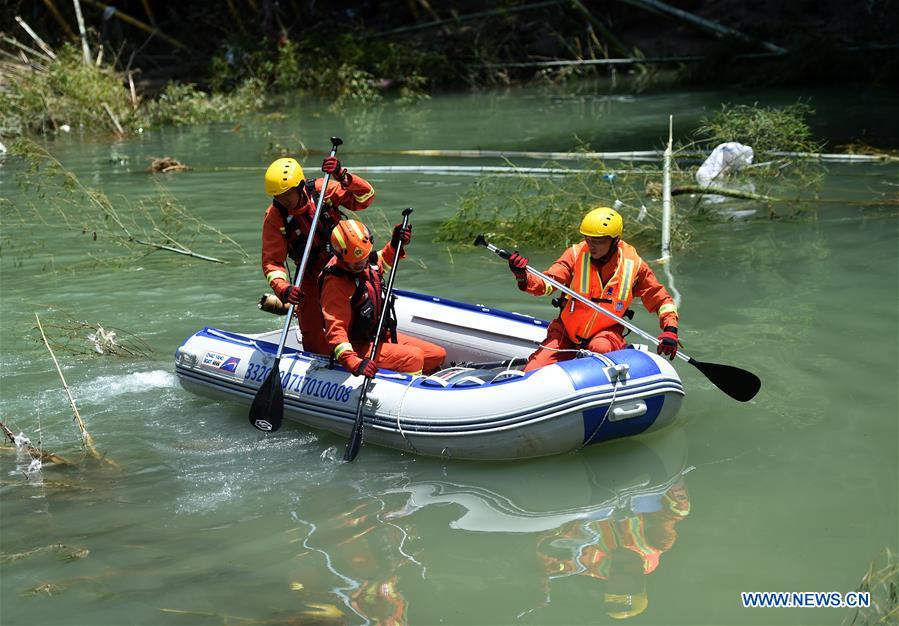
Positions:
(285, 230)
(607, 271)
(621, 550)
(352, 299)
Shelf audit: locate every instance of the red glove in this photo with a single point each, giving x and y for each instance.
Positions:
(332, 166)
(401, 234)
(668, 342)
(291, 295)
(366, 368)
(517, 264)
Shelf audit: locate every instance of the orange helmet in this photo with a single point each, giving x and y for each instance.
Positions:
(351, 241)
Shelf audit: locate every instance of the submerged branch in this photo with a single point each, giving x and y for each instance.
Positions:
(86, 439)
(720, 191)
(42, 455)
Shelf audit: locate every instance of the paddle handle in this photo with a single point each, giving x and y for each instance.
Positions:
(396, 259)
(355, 440)
(301, 270)
(481, 241)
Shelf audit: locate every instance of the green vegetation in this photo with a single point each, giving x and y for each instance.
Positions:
(43, 97)
(766, 129)
(771, 132)
(544, 212)
(350, 69)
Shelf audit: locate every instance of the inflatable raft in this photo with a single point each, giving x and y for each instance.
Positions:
(481, 407)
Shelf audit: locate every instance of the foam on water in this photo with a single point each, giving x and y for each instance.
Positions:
(105, 387)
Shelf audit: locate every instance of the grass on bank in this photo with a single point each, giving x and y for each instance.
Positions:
(42, 97)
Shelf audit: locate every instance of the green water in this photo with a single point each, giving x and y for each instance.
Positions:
(207, 521)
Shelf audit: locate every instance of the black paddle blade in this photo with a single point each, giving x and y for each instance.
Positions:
(353, 445)
(735, 382)
(267, 410)
(355, 441)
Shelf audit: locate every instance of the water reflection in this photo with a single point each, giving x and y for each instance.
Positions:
(620, 543)
(609, 515)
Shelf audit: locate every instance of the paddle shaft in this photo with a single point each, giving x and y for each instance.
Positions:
(504, 254)
(354, 443)
(267, 408)
(301, 270)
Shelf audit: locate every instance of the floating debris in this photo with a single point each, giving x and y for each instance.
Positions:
(167, 164)
(881, 581)
(64, 552)
(22, 442)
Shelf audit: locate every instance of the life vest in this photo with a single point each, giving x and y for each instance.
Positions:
(367, 300)
(296, 228)
(580, 321)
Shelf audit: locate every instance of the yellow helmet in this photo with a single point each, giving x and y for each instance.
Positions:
(602, 222)
(282, 175)
(623, 606)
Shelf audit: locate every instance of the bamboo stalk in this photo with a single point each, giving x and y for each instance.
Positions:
(86, 438)
(235, 15)
(466, 170)
(132, 91)
(468, 17)
(720, 191)
(44, 456)
(137, 23)
(149, 12)
(59, 19)
(40, 42)
(15, 42)
(839, 158)
(645, 155)
(666, 194)
(660, 8)
(115, 120)
(600, 26)
(86, 52)
(636, 155)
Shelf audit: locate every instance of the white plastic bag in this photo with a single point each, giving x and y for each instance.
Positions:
(725, 158)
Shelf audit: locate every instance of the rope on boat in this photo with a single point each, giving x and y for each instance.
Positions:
(615, 384)
(399, 411)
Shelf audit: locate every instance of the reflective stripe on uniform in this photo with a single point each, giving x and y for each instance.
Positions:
(549, 288)
(585, 275)
(668, 308)
(624, 289)
(363, 197)
(385, 266)
(276, 274)
(341, 348)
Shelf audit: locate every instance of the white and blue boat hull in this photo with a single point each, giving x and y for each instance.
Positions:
(467, 413)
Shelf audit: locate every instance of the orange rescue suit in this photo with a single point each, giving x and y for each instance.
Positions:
(408, 355)
(612, 286)
(278, 244)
